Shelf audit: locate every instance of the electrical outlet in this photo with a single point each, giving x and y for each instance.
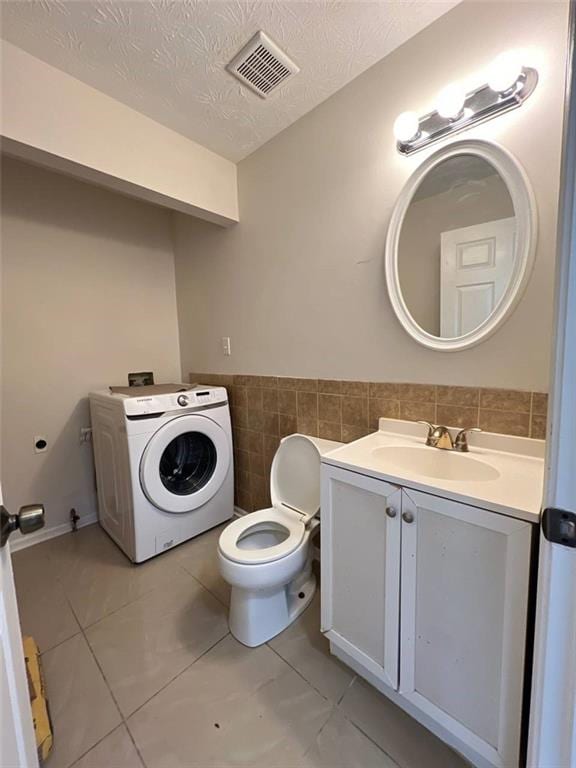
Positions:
(226, 345)
(85, 434)
(40, 444)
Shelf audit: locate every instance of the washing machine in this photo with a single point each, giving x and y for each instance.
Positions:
(164, 466)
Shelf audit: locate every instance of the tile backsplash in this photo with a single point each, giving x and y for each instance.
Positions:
(265, 408)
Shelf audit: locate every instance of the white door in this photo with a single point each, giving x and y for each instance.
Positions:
(361, 569)
(476, 266)
(552, 740)
(464, 602)
(17, 742)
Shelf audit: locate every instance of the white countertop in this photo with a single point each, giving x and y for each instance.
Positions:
(519, 462)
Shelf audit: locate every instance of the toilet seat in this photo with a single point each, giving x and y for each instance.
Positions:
(295, 494)
(275, 518)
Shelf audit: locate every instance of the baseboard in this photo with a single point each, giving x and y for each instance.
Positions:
(49, 533)
(59, 530)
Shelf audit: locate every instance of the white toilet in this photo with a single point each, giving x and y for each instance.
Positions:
(265, 556)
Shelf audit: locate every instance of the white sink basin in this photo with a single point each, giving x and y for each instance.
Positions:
(501, 473)
(433, 462)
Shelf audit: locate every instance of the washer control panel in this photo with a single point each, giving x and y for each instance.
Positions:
(191, 399)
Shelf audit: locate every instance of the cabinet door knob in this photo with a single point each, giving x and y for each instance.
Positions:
(408, 517)
(391, 511)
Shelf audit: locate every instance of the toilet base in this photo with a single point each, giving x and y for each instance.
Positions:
(258, 616)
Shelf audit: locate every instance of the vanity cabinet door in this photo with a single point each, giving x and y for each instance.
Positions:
(465, 574)
(360, 532)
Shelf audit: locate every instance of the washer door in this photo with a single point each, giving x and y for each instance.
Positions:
(185, 463)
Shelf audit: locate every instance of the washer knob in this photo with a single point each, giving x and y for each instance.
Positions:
(182, 400)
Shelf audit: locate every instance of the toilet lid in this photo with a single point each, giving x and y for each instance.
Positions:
(295, 475)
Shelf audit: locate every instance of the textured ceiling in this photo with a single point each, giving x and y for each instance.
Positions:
(166, 58)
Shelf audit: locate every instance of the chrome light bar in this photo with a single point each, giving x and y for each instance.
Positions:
(479, 105)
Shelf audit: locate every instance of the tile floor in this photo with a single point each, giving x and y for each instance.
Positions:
(141, 671)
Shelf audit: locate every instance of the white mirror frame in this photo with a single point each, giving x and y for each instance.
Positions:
(525, 211)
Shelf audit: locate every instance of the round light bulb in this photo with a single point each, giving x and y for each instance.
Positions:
(505, 71)
(451, 101)
(406, 126)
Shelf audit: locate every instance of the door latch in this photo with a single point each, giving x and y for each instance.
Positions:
(559, 526)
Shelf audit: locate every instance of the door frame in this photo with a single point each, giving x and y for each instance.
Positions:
(552, 732)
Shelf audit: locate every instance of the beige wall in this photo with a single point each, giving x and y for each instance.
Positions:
(88, 295)
(55, 120)
(299, 283)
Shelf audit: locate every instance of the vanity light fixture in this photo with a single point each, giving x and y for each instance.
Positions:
(509, 85)
(406, 127)
(505, 71)
(451, 101)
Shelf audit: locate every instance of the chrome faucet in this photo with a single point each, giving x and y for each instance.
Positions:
(441, 437)
(461, 441)
(438, 436)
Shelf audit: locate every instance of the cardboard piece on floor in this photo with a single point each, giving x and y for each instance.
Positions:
(38, 699)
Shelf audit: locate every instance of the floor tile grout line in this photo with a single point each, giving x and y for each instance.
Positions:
(59, 643)
(132, 564)
(103, 676)
(104, 616)
(322, 727)
(133, 740)
(135, 600)
(77, 759)
(349, 719)
(350, 684)
(292, 667)
(214, 595)
(182, 671)
(359, 728)
(124, 719)
(335, 706)
(178, 565)
(83, 631)
(81, 628)
(370, 739)
(106, 683)
(107, 686)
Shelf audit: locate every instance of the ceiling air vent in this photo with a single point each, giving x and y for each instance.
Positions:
(262, 66)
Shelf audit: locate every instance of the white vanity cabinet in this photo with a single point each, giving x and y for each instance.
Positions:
(428, 599)
(361, 575)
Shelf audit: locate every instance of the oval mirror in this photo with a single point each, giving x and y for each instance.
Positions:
(460, 245)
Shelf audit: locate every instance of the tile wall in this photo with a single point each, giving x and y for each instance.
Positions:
(265, 408)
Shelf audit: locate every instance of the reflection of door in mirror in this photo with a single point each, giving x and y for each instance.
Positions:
(476, 266)
(466, 197)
